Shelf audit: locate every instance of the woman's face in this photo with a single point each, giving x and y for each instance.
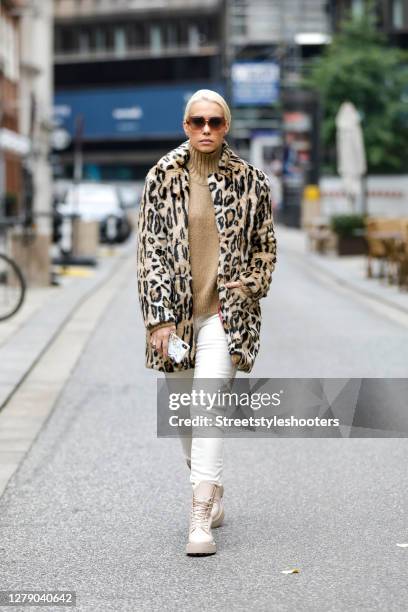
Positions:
(206, 138)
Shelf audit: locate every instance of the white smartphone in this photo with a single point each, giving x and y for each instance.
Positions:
(177, 348)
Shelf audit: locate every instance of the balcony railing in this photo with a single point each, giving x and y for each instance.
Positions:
(88, 8)
(134, 53)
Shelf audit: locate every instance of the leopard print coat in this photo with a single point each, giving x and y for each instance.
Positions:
(243, 214)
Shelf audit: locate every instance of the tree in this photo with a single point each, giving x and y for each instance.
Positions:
(361, 67)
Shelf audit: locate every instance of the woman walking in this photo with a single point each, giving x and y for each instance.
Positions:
(206, 253)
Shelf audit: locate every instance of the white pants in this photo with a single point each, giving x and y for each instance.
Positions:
(212, 361)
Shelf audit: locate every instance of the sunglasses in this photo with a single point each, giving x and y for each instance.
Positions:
(214, 123)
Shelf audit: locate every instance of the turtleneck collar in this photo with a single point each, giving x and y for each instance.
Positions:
(200, 164)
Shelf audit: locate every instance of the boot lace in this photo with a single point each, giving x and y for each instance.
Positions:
(200, 513)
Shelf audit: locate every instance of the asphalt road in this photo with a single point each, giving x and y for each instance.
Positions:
(100, 505)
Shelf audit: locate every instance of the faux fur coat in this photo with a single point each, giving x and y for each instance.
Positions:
(247, 247)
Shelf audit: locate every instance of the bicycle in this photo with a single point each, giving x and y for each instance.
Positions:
(12, 283)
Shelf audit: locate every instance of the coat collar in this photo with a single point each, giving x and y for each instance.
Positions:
(179, 157)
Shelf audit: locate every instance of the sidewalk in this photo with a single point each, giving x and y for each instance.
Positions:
(26, 336)
(349, 271)
(39, 353)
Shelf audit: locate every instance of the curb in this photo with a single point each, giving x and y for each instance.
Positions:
(340, 280)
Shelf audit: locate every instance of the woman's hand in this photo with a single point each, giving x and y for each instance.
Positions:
(238, 285)
(159, 339)
(233, 284)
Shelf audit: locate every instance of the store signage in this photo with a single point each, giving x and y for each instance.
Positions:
(127, 113)
(255, 83)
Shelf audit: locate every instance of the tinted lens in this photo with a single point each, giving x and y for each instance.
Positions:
(216, 123)
(197, 122)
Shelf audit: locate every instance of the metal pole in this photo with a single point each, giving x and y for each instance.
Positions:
(364, 197)
(78, 165)
(2, 172)
(228, 62)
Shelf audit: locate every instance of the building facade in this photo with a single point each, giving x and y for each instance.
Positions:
(123, 72)
(392, 16)
(283, 32)
(12, 145)
(26, 123)
(275, 122)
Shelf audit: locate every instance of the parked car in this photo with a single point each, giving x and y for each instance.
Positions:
(130, 194)
(97, 202)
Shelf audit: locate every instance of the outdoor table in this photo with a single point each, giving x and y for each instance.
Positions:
(386, 235)
(319, 234)
(394, 245)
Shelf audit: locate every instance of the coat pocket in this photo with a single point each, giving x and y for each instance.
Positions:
(250, 317)
(239, 299)
(235, 329)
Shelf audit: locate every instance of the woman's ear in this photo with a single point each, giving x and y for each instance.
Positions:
(185, 129)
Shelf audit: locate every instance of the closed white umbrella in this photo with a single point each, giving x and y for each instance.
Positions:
(351, 158)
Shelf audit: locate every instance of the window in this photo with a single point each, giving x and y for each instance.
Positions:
(110, 37)
(155, 39)
(135, 36)
(171, 35)
(100, 39)
(357, 8)
(120, 40)
(58, 40)
(67, 40)
(239, 17)
(193, 36)
(84, 41)
(398, 14)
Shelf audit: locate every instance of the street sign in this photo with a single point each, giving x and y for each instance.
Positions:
(255, 83)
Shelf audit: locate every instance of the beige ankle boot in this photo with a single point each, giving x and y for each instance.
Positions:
(200, 540)
(217, 511)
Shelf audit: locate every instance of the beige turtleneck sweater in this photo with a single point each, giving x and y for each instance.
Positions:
(202, 232)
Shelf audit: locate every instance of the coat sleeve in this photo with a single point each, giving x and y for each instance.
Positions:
(262, 257)
(153, 278)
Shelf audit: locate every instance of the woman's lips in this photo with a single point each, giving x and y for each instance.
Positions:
(206, 141)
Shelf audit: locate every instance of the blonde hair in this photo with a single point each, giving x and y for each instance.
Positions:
(209, 96)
